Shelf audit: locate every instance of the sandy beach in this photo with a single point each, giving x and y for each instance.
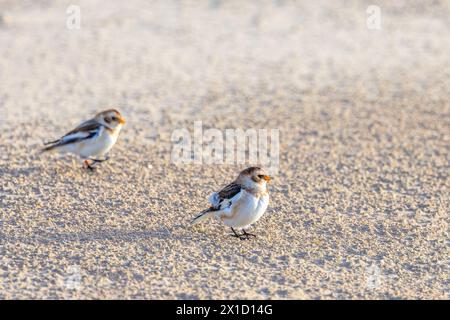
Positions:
(359, 205)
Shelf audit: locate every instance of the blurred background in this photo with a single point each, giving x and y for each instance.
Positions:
(173, 55)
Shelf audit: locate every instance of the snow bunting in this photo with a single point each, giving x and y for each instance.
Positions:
(241, 203)
(91, 139)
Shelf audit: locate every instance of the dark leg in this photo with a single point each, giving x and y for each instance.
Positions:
(88, 165)
(236, 235)
(94, 161)
(248, 235)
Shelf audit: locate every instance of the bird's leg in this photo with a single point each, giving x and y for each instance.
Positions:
(236, 235)
(95, 161)
(88, 165)
(248, 235)
(99, 160)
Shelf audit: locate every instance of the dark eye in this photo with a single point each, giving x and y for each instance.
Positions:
(114, 118)
(261, 176)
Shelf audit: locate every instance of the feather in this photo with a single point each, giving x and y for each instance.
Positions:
(219, 201)
(86, 130)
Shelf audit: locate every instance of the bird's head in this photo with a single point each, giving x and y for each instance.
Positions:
(111, 119)
(254, 178)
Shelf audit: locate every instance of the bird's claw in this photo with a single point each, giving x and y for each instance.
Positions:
(244, 236)
(88, 166)
(99, 160)
(240, 236)
(248, 235)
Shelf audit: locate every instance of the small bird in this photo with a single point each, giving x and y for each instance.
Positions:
(241, 203)
(91, 139)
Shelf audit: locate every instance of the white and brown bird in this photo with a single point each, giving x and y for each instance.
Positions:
(92, 139)
(241, 203)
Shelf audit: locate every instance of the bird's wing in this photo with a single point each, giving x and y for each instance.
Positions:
(225, 197)
(86, 130)
(85, 126)
(220, 201)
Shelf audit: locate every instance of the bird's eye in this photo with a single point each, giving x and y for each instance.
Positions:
(114, 118)
(261, 176)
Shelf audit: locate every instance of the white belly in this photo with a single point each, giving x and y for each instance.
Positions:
(246, 211)
(95, 147)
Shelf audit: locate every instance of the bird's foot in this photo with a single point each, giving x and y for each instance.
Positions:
(239, 236)
(88, 166)
(244, 236)
(94, 161)
(248, 235)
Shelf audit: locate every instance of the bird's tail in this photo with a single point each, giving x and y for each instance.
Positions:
(204, 215)
(50, 146)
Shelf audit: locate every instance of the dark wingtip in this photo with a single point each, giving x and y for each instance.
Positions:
(51, 145)
(51, 142)
(46, 149)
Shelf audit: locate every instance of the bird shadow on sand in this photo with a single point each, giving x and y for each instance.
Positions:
(51, 167)
(177, 232)
(83, 237)
(17, 172)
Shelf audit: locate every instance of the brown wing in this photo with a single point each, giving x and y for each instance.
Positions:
(222, 199)
(86, 130)
(85, 126)
(229, 191)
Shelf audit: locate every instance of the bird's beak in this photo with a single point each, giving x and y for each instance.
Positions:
(267, 178)
(122, 120)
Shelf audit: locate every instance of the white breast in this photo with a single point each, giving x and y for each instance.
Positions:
(94, 147)
(247, 210)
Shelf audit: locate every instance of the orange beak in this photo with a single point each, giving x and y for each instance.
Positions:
(267, 178)
(122, 120)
